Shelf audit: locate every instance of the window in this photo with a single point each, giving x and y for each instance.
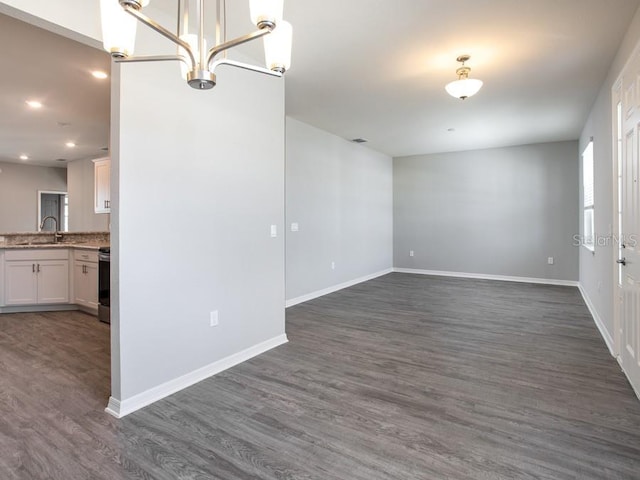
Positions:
(588, 227)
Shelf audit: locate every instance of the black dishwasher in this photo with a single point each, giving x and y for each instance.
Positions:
(104, 284)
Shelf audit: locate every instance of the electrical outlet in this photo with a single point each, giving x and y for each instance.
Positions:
(333, 265)
(274, 231)
(294, 227)
(213, 318)
(550, 260)
(411, 253)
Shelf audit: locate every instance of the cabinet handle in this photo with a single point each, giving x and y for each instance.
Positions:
(38, 268)
(33, 268)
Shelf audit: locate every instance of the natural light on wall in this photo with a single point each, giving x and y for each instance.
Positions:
(588, 228)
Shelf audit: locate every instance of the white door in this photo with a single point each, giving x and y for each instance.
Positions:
(629, 222)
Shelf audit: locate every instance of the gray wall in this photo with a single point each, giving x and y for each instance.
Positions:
(498, 211)
(596, 269)
(82, 218)
(198, 179)
(19, 185)
(340, 194)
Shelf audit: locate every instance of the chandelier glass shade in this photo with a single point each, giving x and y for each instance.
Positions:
(464, 87)
(120, 19)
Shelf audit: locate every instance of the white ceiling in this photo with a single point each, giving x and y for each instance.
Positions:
(363, 68)
(377, 69)
(46, 67)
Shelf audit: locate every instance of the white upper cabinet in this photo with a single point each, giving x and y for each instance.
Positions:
(102, 172)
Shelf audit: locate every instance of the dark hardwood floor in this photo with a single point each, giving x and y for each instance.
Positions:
(403, 377)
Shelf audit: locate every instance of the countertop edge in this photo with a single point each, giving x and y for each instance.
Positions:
(77, 246)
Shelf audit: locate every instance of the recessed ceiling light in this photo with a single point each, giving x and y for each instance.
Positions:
(24, 157)
(61, 159)
(451, 129)
(359, 140)
(99, 74)
(34, 103)
(70, 144)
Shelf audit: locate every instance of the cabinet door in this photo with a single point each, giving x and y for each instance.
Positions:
(53, 281)
(79, 284)
(91, 282)
(102, 171)
(85, 281)
(21, 283)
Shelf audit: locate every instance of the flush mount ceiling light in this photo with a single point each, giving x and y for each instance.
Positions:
(464, 87)
(70, 144)
(24, 157)
(99, 74)
(34, 103)
(198, 62)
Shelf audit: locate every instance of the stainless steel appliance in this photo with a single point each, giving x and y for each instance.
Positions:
(104, 284)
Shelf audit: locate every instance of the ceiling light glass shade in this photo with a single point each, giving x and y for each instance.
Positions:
(464, 88)
(192, 40)
(266, 11)
(118, 29)
(277, 47)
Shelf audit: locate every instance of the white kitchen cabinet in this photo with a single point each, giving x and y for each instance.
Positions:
(36, 277)
(85, 279)
(21, 283)
(102, 185)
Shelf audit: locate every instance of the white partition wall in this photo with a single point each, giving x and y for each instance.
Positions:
(200, 182)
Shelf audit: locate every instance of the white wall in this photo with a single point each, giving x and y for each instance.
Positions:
(340, 194)
(500, 211)
(19, 185)
(597, 269)
(200, 181)
(81, 187)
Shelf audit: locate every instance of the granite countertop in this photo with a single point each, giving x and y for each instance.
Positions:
(78, 246)
(42, 240)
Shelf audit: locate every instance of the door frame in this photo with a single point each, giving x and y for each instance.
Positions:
(616, 97)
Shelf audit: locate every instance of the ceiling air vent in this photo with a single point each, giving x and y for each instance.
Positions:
(359, 140)
(61, 159)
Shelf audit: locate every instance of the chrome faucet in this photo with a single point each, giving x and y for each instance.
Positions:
(56, 235)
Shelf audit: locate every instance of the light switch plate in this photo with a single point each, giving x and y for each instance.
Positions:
(274, 231)
(294, 227)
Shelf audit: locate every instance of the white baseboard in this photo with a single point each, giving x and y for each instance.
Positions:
(483, 276)
(334, 288)
(608, 339)
(120, 408)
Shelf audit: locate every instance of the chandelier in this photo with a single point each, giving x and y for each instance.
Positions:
(120, 17)
(464, 87)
